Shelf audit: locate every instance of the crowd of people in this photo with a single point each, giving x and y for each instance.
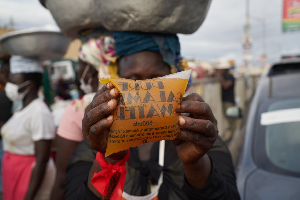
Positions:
(196, 165)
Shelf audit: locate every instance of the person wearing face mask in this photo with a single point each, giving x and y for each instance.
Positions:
(95, 53)
(27, 169)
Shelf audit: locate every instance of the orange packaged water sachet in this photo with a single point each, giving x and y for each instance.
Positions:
(146, 110)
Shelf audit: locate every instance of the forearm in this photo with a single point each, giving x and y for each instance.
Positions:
(58, 188)
(65, 148)
(221, 184)
(117, 159)
(37, 176)
(198, 174)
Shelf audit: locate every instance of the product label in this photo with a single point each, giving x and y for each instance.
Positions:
(146, 112)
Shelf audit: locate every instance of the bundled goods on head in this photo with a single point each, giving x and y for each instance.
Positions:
(159, 16)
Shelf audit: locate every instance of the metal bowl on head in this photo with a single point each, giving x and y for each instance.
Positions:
(44, 44)
(165, 16)
(73, 16)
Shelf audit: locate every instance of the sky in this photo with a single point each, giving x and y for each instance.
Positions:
(220, 36)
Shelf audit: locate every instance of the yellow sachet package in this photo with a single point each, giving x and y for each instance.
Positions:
(146, 110)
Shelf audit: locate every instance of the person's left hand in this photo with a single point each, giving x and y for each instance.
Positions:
(198, 129)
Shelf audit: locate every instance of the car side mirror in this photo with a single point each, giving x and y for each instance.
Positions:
(234, 112)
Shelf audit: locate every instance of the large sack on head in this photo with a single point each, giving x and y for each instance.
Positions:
(163, 16)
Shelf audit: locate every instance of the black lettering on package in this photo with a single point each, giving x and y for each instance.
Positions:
(143, 123)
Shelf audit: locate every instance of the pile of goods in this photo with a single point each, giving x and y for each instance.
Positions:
(160, 16)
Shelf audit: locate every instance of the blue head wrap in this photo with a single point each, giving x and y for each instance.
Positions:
(167, 45)
(127, 43)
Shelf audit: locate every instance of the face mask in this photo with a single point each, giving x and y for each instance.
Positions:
(86, 88)
(12, 93)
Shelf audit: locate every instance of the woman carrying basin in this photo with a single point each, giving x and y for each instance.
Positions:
(28, 171)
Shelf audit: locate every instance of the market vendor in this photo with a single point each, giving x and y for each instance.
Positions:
(95, 53)
(197, 164)
(27, 170)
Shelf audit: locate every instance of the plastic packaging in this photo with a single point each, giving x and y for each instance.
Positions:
(146, 110)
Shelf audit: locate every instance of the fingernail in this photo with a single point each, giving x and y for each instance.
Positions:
(109, 85)
(113, 92)
(111, 103)
(181, 121)
(110, 118)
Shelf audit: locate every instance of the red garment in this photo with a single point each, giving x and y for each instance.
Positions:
(16, 173)
(102, 179)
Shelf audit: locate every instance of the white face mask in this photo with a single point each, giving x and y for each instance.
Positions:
(12, 91)
(86, 88)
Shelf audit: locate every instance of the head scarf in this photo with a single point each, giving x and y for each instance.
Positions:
(167, 45)
(19, 64)
(98, 50)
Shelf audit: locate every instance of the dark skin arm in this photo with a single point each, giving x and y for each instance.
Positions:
(226, 84)
(65, 148)
(96, 124)
(198, 133)
(42, 154)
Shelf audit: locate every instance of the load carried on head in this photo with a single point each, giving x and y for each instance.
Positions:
(36, 45)
(159, 16)
(39, 43)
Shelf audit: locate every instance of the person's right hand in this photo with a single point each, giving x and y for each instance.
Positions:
(98, 119)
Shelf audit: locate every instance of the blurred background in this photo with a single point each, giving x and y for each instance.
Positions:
(257, 42)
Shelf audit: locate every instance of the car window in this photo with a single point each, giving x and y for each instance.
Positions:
(284, 68)
(277, 140)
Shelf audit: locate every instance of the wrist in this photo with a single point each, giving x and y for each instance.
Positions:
(103, 172)
(116, 157)
(198, 173)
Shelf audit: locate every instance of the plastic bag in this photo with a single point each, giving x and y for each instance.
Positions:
(146, 110)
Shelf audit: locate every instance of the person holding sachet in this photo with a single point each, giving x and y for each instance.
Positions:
(197, 165)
